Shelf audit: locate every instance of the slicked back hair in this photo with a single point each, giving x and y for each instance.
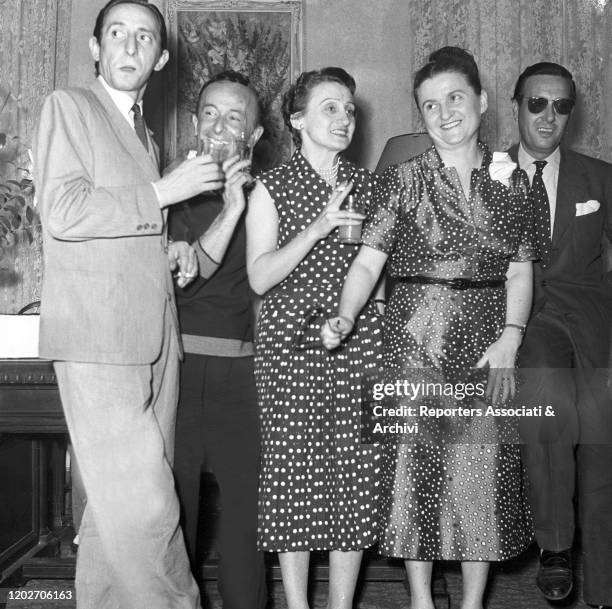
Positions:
(547, 68)
(99, 25)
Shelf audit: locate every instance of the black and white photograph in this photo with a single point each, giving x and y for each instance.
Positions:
(305, 304)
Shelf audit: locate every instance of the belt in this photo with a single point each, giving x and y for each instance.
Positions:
(458, 283)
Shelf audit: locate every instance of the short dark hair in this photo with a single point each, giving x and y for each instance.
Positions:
(230, 76)
(449, 59)
(163, 33)
(547, 68)
(296, 98)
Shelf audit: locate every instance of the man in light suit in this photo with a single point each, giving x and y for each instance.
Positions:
(108, 317)
(567, 340)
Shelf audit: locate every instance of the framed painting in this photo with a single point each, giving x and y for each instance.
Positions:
(261, 39)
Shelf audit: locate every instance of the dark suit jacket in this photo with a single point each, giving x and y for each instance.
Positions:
(106, 276)
(575, 281)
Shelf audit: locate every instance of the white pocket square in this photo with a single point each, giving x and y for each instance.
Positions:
(582, 209)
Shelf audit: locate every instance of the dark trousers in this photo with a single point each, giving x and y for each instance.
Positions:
(569, 456)
(218, 424)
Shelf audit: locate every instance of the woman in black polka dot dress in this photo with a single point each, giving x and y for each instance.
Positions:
(455, 229)
(318, 483)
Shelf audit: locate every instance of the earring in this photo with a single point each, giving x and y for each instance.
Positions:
(300, 125)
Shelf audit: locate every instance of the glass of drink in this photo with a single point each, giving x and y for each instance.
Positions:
(351, 233)
(219, 150)
(244, 149)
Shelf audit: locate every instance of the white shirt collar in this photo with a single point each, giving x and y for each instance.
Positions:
(122, 100)
(525, 159)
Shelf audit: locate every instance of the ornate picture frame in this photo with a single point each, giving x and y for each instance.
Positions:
(261, 39)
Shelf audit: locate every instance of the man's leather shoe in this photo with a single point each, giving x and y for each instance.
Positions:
(554, 578)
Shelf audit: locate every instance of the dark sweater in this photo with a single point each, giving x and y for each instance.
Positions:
(220, 306)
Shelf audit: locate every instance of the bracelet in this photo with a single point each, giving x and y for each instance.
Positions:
(351, 321)
(520, 328)
(380, 305)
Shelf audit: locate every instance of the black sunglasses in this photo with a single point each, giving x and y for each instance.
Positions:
(535, 105)
(301, 341)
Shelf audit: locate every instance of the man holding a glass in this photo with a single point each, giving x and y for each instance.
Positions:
(217, 420)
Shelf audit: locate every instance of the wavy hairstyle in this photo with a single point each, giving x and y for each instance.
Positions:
(296, 98)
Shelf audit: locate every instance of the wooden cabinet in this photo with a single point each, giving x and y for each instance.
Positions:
(20, 470)
(32, 461)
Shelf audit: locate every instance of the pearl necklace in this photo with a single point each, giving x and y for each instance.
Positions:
(329, 175)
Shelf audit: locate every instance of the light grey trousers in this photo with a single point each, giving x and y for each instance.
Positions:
(121, 420)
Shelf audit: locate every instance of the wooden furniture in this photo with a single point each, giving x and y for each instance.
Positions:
(32, 462)
(402, 148)
(33, 443)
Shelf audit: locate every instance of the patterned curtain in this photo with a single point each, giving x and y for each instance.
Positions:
(34, 41)
(506, 36)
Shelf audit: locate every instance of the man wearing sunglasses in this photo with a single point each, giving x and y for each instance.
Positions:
(567, 340)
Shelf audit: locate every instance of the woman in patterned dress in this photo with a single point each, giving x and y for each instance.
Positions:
(455, 230)
(318, 483)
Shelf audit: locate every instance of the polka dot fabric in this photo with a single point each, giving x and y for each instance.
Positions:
(459, 501)
(318, 484)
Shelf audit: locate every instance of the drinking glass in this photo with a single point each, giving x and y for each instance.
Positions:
(244, 149)
(351, 233)
(219, 150)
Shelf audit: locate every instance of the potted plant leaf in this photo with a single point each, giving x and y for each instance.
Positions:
(20, 230)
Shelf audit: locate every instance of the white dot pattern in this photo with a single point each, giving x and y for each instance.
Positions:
(449, 501)
(318, 484)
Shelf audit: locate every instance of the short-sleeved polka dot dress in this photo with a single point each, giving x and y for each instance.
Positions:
(318, 483)
(453, 500)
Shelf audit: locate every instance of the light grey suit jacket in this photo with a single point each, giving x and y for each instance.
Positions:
(106, 276)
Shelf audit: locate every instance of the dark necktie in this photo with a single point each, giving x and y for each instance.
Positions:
(541, 210)
(139, 126)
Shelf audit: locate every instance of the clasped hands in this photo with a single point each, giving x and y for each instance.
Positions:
(500, 358)
(200, 174)
(335, 330)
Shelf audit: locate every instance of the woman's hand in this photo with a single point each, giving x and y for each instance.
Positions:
(335, 330)
(501, 355)
(501, 358)
(332, 216)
